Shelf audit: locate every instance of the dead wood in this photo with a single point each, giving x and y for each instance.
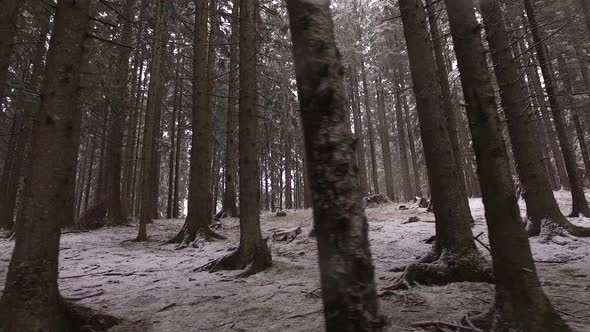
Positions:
(287, 235)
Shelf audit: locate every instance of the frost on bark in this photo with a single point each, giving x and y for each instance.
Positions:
(346, 269)
(455, 256)
(520, 304)
(31, 300)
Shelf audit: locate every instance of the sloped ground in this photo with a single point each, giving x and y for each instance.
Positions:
(154, 288)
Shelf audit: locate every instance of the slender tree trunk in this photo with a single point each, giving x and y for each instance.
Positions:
(519, 302)
(31, 300)
(115, 213)
(368, 111)
(540, 203)
(230, 207)
(403, 149)
(455, 252)
(148, 147)
(579, 203)
(179, 136)
(346, 269)
(567, 86)
(413, 155)
(385, 150)
(171, 158)
(358, 135)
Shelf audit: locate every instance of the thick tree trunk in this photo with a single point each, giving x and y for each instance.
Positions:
(519, 303)
(540, 203)
(31, 299)
(385, 149)
(455, 253)
(443, 78)
(230, 207)
(579, 203)
(347, 277)
(199, 206)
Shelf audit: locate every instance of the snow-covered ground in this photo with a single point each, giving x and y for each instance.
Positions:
(153, 286)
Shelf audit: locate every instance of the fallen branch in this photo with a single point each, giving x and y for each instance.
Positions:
(440, 324)
(167, 307)
(80, 298)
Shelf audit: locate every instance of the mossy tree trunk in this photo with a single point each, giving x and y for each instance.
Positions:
(454, 240)
(346, 269)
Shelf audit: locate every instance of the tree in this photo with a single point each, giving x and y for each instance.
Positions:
(520, 303)
(383, 135)
(31, 300)
(149, 129)
(199, 207)
(230, 207)
(455, 256)
(253, 253)
(347, 277)
(540, 203)
(8, 18)
(579, 203)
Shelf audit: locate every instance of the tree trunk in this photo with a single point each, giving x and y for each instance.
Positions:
(383, 134)
(579, 203)
(171, 158)
(148, 147)
(199, 205)
(368, 112)
(346, 269)
(230, 206)
(31, 299)
(115, 213)
(519, 303)
(540, 203)
(455, 253)
(413, 155)
(403, 149)
(358, 135)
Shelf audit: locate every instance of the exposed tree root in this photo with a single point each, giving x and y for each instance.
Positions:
(184, 237)
(63, 316)
(446, 268)
(287, 235)
(557, 225)
(544, 320)
(86, 319)
(260, 259)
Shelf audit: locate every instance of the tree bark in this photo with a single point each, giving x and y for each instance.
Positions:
(230, 206)
(455, 253)
(519, 300)
(149, 134)
(370, 132)
(8, 18)
(385, 149)
(540, 203)
(403, 149)
(579, 203)
(358, 135)
(31, 300)
(346, 269)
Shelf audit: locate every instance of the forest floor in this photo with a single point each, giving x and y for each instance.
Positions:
(153, 287)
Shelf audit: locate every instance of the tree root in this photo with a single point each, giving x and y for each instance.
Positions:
(551, 227)
(184, 238)
(445, 268)
(87, 319)
(256, 262)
